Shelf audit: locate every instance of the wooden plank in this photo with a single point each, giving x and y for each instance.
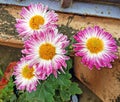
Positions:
(78, 22)
(8, 34)
(11, 42)
(105, 83)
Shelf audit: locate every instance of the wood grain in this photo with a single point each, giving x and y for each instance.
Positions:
(78, 22)
(105, 83)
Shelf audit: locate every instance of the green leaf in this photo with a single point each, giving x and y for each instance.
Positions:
(47, 91)
(64, 79)
(8, 92)
(44, 93)
(1, 73)
(53, 89)
(69, 64)
(74, 89)
(68, 90)
(65, 95)
(13, 98)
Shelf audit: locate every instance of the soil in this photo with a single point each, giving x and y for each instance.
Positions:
(7, 55)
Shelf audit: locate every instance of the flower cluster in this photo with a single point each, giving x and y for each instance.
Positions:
(45, 48)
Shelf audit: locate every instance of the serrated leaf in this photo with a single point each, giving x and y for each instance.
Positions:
(44, 93)
(69, 91)
(69, 64)
(65, 95)
(48, 92)
(64, 79)
(22, 97)
(74, 89)
(13, 98)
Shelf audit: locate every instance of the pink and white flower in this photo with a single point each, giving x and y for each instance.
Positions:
(47, 50)
(96, 47)
(25, 77)
(35, 18)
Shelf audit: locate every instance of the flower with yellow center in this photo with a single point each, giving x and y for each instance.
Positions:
(96, 47)
(25, 76)
(47, 50)
(35, 18)
(27, 72)
(36, 22)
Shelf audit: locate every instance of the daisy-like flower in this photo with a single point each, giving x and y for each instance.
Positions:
(25, 77)
(96, 47)
(47, 50)
(35, 17)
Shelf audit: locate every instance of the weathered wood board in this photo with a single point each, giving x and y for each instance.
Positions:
(104, 83)
(9, 35)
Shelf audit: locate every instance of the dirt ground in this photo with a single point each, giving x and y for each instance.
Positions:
(7, 55)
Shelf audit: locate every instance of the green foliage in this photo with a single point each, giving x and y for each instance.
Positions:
(7, 94)
(1, 73)
(53, 89)
(70, 47)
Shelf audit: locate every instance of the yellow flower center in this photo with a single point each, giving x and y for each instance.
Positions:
(47, 51)
(95, 45)
(36, 22)
(27, 72)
